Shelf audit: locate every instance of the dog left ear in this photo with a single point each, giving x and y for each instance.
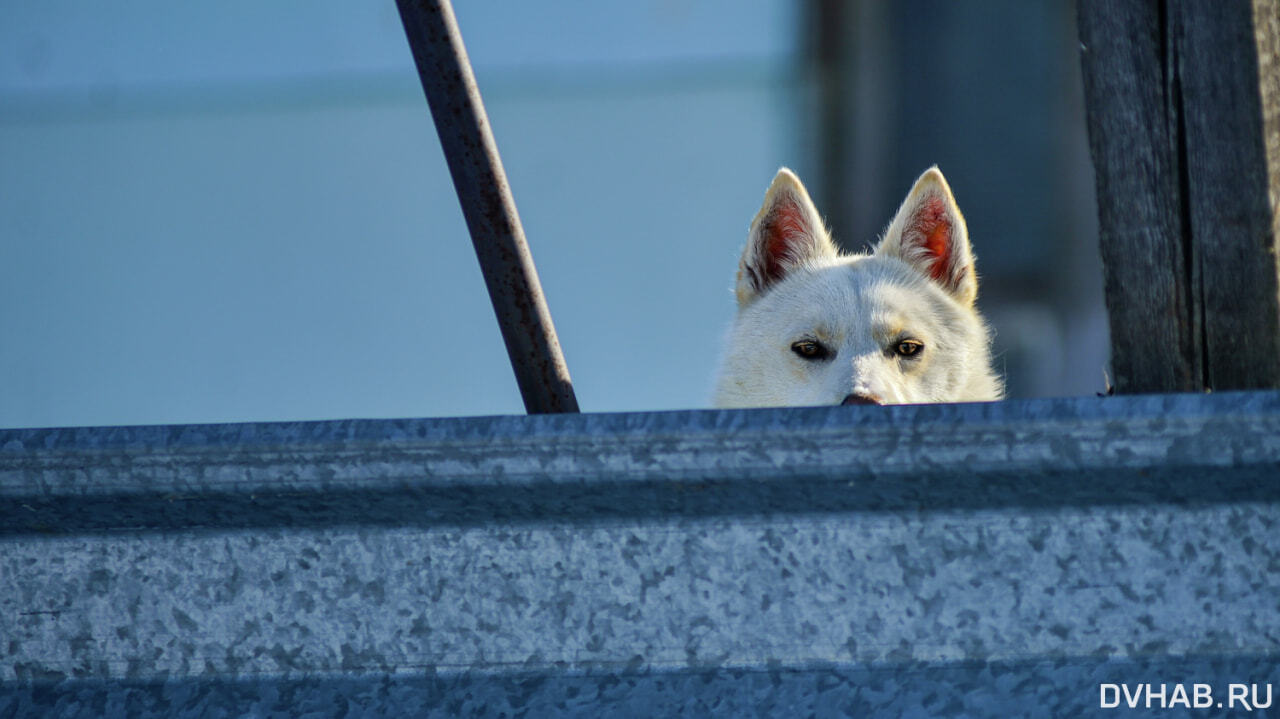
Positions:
(929, 234)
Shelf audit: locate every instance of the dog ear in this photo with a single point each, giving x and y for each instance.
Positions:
(929, 234)
(786, 234)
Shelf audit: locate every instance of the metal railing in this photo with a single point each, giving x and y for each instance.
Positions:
(487, 204)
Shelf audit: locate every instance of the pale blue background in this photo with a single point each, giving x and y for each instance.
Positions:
(239, 211)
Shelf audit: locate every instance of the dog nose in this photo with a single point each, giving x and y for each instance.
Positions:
(861, 399)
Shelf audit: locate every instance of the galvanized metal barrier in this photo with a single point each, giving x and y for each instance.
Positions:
(980, 560)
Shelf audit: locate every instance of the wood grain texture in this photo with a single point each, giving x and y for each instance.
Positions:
(1266, 23)
(1186, 167)
(1231, 221)
(1133, 138)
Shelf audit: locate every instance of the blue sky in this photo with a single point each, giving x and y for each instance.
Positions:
(241, 213)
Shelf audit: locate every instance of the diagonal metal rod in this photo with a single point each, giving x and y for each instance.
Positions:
(488, 206)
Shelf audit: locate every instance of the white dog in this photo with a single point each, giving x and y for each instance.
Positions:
(897, 326)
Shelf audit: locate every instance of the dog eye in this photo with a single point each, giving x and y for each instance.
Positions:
(908, 348)
(811, 350)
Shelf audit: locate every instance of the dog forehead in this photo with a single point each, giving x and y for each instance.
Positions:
(874, 288)
(866, 293)
(850, 297)
(821, 295)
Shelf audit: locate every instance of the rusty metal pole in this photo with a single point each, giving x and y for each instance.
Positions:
(487, 204)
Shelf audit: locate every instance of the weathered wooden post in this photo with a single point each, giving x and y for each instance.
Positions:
(1183, 102)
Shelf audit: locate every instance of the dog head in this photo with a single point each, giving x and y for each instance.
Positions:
(893, 327)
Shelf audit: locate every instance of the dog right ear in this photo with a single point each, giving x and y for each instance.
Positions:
(785, 235)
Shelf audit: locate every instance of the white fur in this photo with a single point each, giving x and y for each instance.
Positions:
(859, 307)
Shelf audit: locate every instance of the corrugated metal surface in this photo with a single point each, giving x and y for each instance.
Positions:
(849, 561)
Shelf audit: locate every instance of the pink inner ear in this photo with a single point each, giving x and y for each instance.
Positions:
(932, 229)
(784, 228)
